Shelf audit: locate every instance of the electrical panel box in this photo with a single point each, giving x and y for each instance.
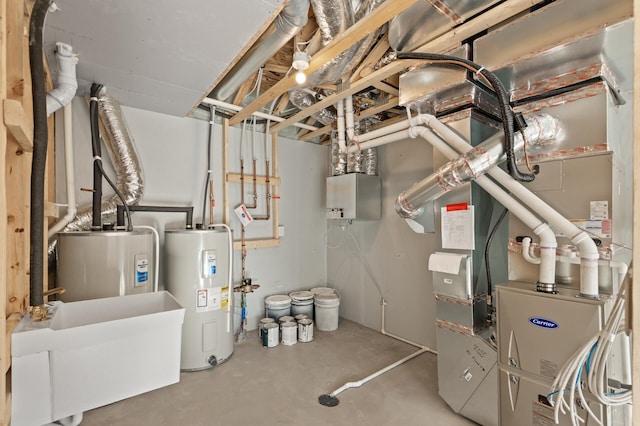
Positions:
(355, 195)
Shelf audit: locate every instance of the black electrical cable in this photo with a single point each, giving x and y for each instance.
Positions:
(487, 248)
(97, 159)
(506, 114)
(39, 159)
(212, 115)
(96, 223)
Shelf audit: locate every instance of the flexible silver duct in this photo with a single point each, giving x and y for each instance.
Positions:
(124, 159)
(290, 21)
(541, 130)
(334, 17)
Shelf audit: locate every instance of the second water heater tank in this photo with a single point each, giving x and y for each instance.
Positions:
(197, 274)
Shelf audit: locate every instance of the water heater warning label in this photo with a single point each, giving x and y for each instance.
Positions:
(142, 270)
(208, 263)
(208, 299)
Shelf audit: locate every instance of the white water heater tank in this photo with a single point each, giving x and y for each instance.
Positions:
(97, 264)
(197, 275)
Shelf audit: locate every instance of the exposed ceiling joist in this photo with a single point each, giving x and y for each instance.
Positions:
(378, 17)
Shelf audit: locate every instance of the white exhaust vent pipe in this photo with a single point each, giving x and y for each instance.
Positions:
(66, 83)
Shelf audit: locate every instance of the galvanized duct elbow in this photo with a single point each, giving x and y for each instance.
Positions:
(542, 129)
(290, 21)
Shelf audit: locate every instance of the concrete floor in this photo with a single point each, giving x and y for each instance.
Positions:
(281, 386)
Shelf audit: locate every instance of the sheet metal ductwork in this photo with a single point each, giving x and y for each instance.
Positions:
(428, 19)
(334, 17)
(291, 20)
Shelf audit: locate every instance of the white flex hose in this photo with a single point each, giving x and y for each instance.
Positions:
(341, 140)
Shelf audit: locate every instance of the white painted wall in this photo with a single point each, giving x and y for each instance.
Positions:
(388, 254)
(173, 155)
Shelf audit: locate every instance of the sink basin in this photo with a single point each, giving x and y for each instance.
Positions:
(92, 353)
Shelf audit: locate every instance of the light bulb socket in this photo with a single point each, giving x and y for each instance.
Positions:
(301, 60)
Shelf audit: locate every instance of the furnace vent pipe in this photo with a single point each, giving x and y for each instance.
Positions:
(548, 242)
(66, 82)
(290, 21)
(588, 251)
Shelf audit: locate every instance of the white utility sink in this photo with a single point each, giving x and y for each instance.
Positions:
(92, 353)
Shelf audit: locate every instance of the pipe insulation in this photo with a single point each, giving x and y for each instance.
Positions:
(588, 251)
(38, 164)
(548, 242)
(474, 163)
(288, 23)
(333, 18)
(124, 158)
(66, 82)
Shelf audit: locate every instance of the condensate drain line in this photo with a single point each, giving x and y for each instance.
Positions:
(331, 400)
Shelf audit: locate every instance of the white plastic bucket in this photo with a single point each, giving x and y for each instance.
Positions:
(289, 333)
(277, 306)
(262, 323)
(302, 303)
(305, 330)
(322, 290)
(270, 335)
(327, 309)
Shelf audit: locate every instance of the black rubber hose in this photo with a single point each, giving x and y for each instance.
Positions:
(212, 116)
(96, 223)
(40, 136)
(487, 251)
(506, 114)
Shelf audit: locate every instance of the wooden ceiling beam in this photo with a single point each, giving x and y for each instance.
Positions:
(387, 88)
(378, 17)
(359, 85)
(372, 59)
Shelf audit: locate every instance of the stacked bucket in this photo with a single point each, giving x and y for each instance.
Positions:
(290, 318)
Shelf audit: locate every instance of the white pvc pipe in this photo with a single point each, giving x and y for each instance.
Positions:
(548, 242)
(526, 247)
(341, 140)
(349, 116)
(69, 173)
(422, 349)
(230, 283)
(588, 250)
(66, 82)
(156, 242)
(271, 117)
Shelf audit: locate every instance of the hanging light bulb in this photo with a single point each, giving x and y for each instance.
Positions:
(300, 63)
(300, 77)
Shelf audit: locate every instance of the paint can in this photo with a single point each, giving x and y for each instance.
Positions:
(302, 303)
(300, 317)
(327, 307)
(286, 318)
(289, 331)
(262, 323)
(270, 335)
(277, 306)
(305, 330)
